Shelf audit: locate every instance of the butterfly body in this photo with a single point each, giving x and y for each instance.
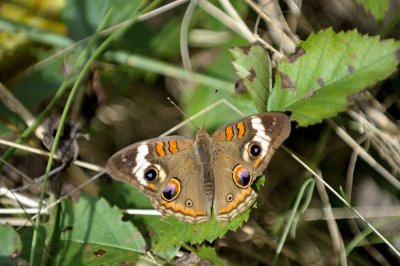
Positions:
(203, 150)
(190, 179)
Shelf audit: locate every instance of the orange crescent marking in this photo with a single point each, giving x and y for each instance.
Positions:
(175, 182)
(240, 198)
(257, 162)
(160, 148)
(179, 208)
(240, 126)
(151, 186)
(173, 146)
(229, 133)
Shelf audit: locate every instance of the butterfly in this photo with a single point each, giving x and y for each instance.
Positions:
(191, 178)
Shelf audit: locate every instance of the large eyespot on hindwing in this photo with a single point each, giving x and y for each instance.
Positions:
(171, 190)
(241, 176)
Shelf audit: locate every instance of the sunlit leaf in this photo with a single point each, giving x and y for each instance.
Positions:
(172, 232)
(92, 231)
(316, 81)
(253, 66)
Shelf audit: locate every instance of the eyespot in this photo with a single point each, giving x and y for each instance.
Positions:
(255, 150)
(172, 190)
(229, 197)
(189, 203)
(151, 174)
(241, 176)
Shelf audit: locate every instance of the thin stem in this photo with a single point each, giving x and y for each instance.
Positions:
(397, 252)
(363, 154)
(183, 40)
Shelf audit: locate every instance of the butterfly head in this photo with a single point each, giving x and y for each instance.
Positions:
(202, 133)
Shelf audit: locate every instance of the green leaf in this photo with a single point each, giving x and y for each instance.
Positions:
(169, 231)
(253, 66)
(209, 253)
(93, 232)
(169, 253)
(127, 196)
(315, 82)
(10, 245)
(376, 8)
(92, 254)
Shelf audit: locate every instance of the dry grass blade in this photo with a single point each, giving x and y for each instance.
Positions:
(86, 165)
(390, 245)
(278, 27)
(365, 155)
(384, 137)
(337, 240)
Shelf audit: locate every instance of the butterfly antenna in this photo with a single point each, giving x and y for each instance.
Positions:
(205, 119)
(182, 112)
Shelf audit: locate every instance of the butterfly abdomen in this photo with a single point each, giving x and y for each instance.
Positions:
(208, 181)
(203, 148)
